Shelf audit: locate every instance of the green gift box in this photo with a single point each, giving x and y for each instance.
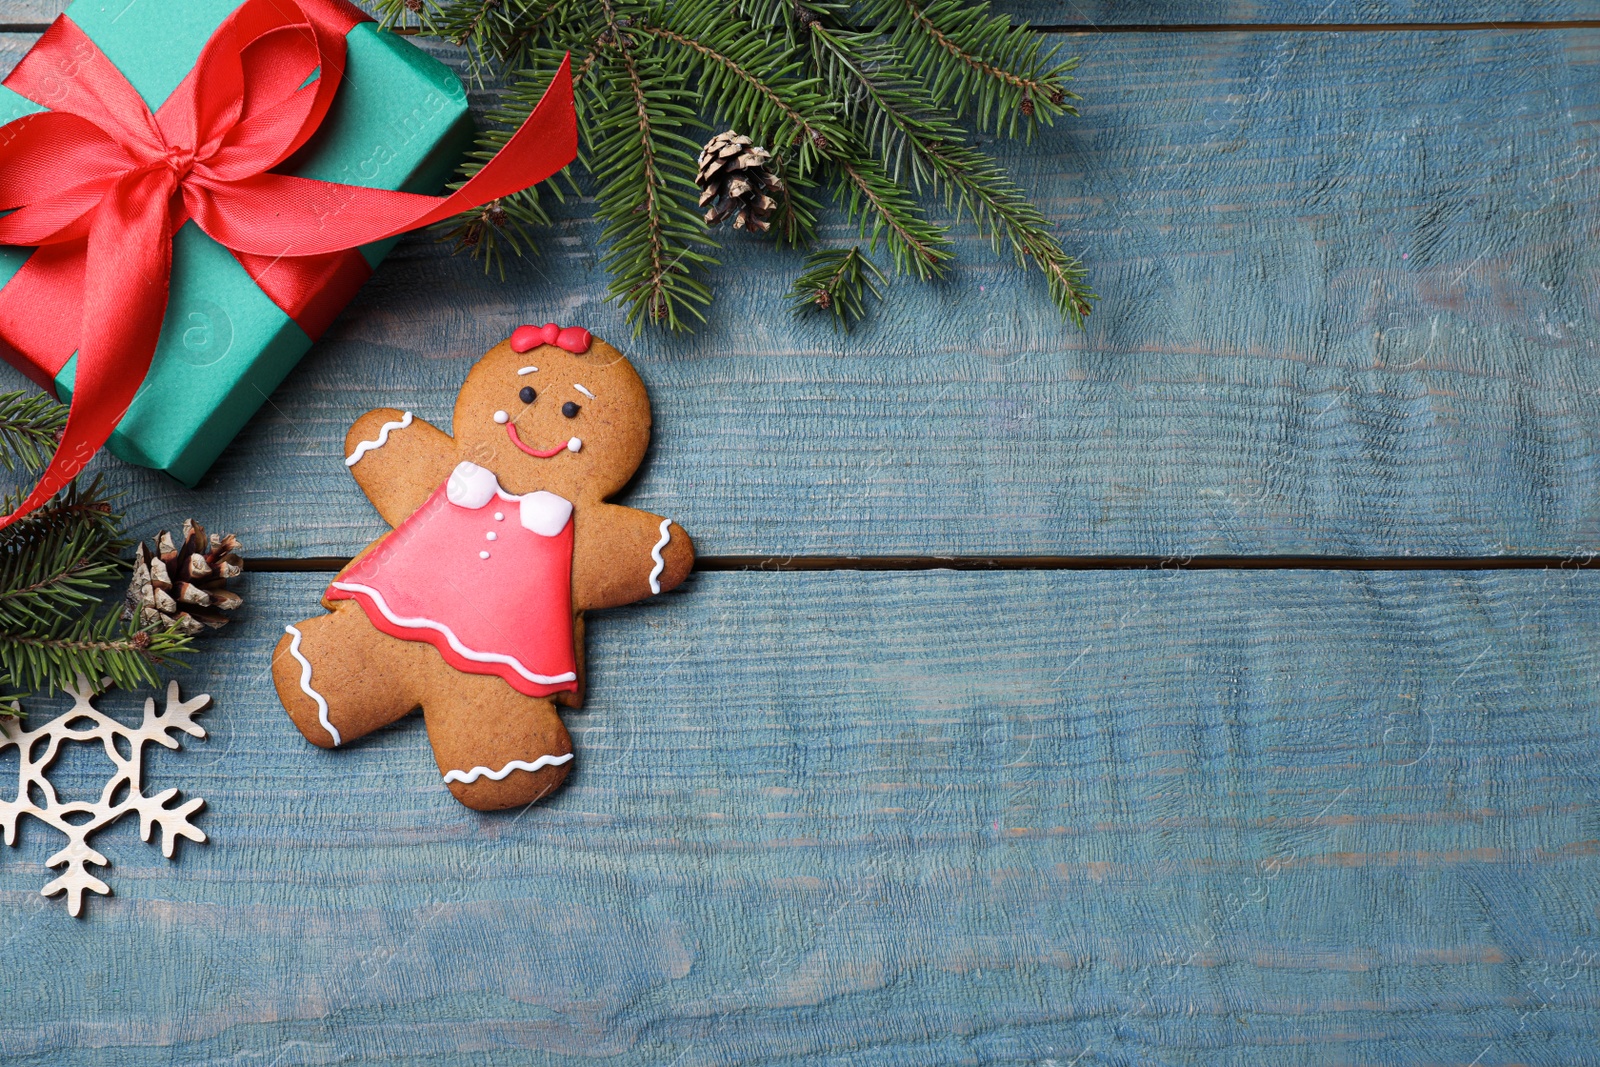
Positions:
(398, 122)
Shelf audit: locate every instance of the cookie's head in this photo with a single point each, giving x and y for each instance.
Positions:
(557, 410)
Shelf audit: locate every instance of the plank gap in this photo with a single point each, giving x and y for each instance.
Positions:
(284, 565)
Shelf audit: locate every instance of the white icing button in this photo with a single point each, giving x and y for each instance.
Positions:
(574, 445)
(501, 417)
(489, 536)
(499, 516)
(483, 555)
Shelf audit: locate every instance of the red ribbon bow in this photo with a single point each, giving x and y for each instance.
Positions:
(101, 186)
(574, 339)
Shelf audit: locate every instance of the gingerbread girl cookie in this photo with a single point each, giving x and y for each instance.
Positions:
(472, 608)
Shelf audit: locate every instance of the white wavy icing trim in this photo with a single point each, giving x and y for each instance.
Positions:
(528, 370)
(655, 554)
(461, 650)
(383, 438)
(305, 684)
(582, 390)
(468, 777)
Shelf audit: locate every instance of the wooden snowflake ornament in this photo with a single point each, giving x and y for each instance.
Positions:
(37, 749)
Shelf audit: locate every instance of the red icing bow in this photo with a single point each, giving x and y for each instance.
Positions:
(574, 339)
(101, 185)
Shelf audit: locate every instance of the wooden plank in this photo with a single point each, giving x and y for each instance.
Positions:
(1350, 308)
(31, 12)
(1140, 817)
(1090, 13)
(13, 46)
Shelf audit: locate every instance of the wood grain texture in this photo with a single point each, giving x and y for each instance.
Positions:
(34, 12)
(1137, 818)
(13, 46)
(1350, 308)
(1089, 13)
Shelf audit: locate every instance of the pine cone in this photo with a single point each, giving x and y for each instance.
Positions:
(733, 172)
(185, 583)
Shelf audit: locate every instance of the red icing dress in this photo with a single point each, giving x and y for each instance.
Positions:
(483, 576)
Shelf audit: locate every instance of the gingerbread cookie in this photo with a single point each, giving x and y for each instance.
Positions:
(472, 608)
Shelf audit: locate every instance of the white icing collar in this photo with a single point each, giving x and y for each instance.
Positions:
(471, 486)
(546, 514)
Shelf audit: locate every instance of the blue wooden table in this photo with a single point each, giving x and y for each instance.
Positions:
(1225, 691)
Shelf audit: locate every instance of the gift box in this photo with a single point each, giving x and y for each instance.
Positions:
(398, 122)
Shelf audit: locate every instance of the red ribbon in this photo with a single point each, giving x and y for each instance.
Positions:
(101, 185)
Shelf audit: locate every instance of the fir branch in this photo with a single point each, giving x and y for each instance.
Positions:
(92, 647)
(30, 425)
(75, 509)
(776, 106)
(880, 98)
(487, 231)
(406, 15)
(1004, 213)
(794, 222)
(585, 65)
(56, 564)
(468, 24)
(512, 53)
(755, 86)
(882, 208)
(873, 99)
(978, 64)
(473, 25)
(654, 239)
(55, 577)
(779, 107)
(772, 16)
(508, 223)
(971, 181)
(837, 281)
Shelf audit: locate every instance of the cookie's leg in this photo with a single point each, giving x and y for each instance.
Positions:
(340, 678)
(496, 747)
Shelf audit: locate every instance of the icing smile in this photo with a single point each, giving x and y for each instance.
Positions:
(570, 445)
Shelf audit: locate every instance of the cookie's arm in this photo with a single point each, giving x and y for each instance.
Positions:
(398, 460)
(622, 555)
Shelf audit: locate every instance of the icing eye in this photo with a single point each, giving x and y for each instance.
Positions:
(570, 410)
(527, 394)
